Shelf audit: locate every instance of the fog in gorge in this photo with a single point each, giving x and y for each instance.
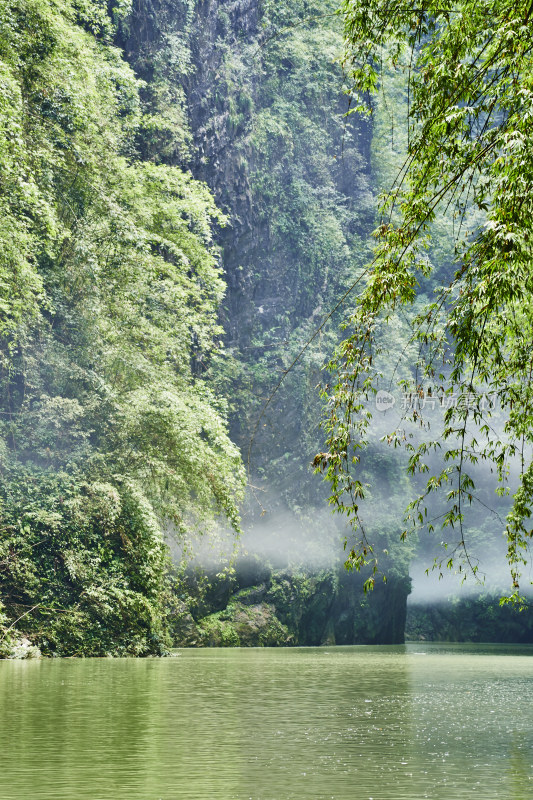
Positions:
(433, 586)
(189, 252)
(215, 580)
(283, 540)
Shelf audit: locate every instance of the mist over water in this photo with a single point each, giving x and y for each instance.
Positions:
(284, 539)
(281, 538)
(493, 578)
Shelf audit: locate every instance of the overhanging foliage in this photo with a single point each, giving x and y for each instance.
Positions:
(469, 100)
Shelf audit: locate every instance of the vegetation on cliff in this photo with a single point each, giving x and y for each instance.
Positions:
(261, 606)
(109, 289)
(113, 427)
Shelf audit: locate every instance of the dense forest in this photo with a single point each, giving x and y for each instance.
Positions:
(110, 289)
(185, 197)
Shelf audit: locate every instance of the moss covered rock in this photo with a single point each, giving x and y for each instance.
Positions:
(295, 607)
(242, 625)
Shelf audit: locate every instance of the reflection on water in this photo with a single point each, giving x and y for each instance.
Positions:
(379, 723)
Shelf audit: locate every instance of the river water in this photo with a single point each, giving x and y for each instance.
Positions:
(359, 723)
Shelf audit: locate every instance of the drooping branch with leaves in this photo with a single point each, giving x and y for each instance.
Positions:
(468, 69)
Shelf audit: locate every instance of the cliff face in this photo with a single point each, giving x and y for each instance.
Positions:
(222, 95)
(290, 607)
(267, 131)
(270, 138)
(247, 94)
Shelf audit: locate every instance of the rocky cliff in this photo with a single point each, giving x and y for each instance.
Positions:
(259, 606)
(261, 88)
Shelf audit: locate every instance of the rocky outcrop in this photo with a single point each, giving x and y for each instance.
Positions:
(245, 625)
(295, 607)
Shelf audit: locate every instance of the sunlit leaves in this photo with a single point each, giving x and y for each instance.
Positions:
(109, 290)
(468, 70)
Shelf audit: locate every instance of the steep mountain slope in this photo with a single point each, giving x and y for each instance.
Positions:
(270, 136)
(109, 287)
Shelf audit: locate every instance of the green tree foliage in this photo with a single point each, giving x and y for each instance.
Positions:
(109, 288)
(468, 70)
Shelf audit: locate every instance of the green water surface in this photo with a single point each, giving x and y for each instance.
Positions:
(365, 723)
